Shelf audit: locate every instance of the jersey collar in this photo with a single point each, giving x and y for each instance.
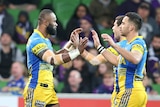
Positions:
(40, 34)
(135, 38)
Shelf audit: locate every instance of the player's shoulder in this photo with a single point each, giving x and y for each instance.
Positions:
(122, 42)
(140, 41)
(34, 39)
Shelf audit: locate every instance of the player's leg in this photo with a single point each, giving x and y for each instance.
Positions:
(125, 98)
(53, 102)
(116, 99)
(137, 99)
(53, 105)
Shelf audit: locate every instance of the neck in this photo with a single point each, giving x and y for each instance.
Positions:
(42, 30)
(131, 35)
(86, 34)
(145, 19)
(18, 77)
(6, 48)
(74, 88)
(121, 38)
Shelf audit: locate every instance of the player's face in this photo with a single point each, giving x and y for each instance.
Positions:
(124, 27)
(52, 26)
(116, 30)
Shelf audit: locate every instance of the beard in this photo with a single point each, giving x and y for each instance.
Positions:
(51, 31)
(156, 50)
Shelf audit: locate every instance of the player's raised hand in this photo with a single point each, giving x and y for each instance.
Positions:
(108, 39)
(95, 38)
(82, 44)
(75, 36)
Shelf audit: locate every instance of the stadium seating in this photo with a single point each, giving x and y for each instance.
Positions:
(22, 47)
(3, 84)
(64, 9)
(14, 13)
(44, 2)
(156, 87)
(87, 2)
(33, 15)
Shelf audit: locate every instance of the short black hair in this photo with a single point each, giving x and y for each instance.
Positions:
(43, 15)
(119, 19)
(136, 19)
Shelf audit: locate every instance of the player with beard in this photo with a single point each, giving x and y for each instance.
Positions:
(39, 91)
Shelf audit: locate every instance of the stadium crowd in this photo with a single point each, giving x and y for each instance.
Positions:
(77, 76)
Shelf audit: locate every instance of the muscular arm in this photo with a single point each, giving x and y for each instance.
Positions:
(113, 59)
(57, 59)
(42, 51)
(67, 47)
(134, 56)
(94, 60)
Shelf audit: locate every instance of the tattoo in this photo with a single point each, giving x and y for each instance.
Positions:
(52, 61)
(41, 53)
(66, 57)
(62, 51)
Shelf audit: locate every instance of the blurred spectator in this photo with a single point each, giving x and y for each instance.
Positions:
(81, 11)
(80, 64)
(62, 69)
(153, 61)
(86, 25)
(23, 28)
(103, 11)
(128, 6)
(92, 68)
(132, 6)
(75, 81)
(149, 26)
(108, 83)
(158, 16)
(154, 3)
(6, 20)
(61, 35)
(97, 78)
(156, 76)
(27, 5)
(148, 87)
(17, 83)
(8, 54)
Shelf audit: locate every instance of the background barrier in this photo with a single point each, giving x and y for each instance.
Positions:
(74, 100)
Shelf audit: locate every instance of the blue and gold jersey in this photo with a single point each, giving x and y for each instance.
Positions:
(40, 71)
(131, 75)
(122, 44)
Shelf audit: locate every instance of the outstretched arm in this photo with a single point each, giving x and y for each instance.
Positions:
(56, 59)
(69, 45)
(109, 56)
(134, 56)
(94, 60)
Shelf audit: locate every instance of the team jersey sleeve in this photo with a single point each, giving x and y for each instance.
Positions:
(37, 46)
(138, 47)
(112, 50)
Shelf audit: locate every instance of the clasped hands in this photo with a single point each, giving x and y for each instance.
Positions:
(81, 43)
